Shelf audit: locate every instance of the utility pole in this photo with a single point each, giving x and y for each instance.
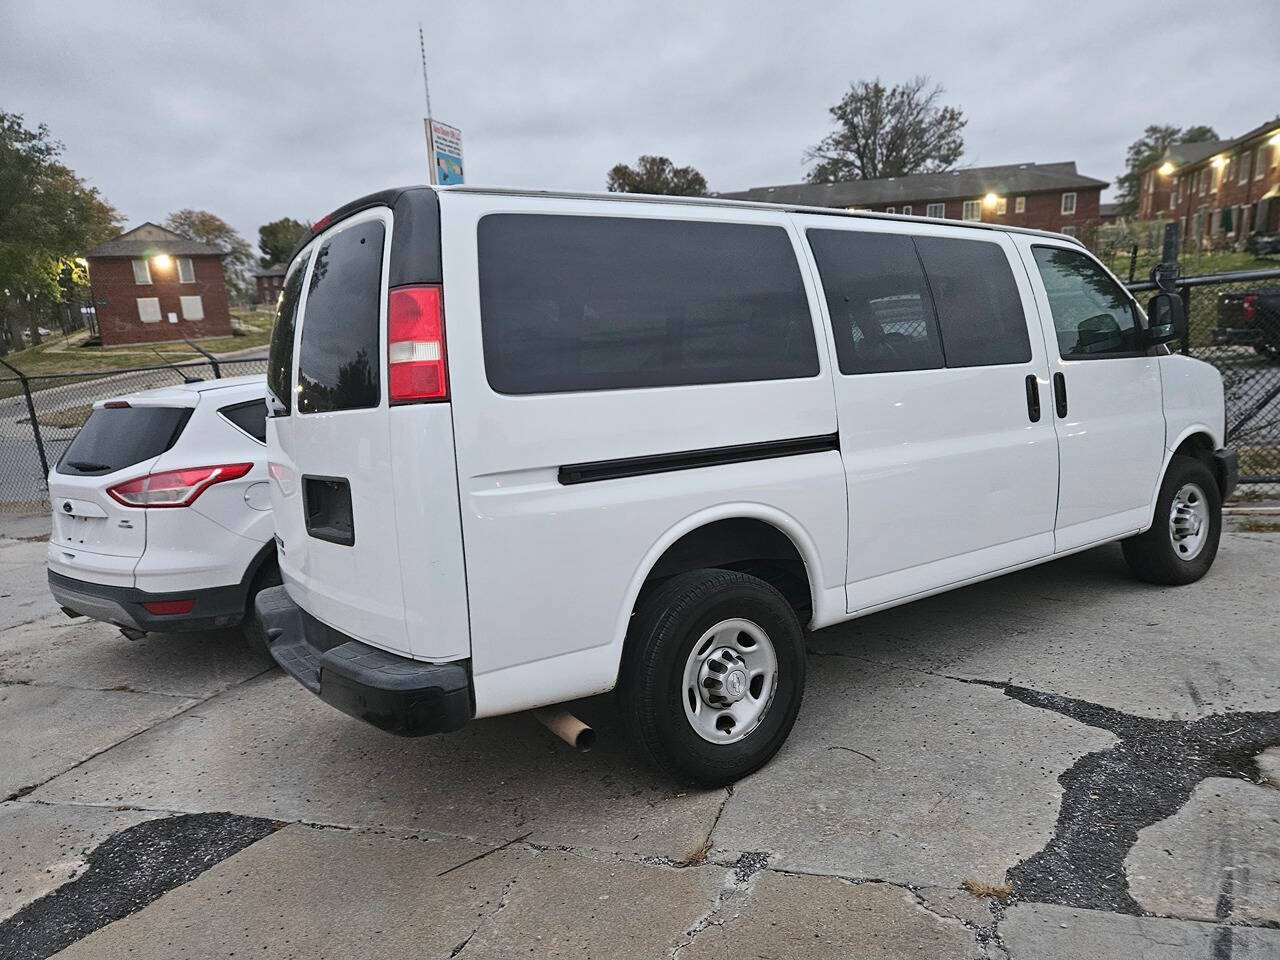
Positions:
(426, 90)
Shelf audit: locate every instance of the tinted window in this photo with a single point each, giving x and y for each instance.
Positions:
(881, 311)
(604, 303)
(338, 358)
(280, 357)
(112, 439)
(1092, 314)
(250, 417)
(979, 310)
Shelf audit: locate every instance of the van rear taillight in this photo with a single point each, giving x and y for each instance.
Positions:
(416, 368)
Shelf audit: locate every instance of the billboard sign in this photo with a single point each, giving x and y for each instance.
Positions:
(445, 146)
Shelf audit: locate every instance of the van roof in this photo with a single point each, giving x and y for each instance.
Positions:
(748, 204)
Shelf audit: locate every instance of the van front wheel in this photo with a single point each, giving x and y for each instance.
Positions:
(713, 675)
(1183, 539)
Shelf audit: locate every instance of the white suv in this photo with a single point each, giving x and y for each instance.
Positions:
(529, 447)
(161, 509)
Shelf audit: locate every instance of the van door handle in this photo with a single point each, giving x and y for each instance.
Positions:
(1060, 394)
(1033, 398)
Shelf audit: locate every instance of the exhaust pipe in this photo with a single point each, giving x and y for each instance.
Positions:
(567, 727)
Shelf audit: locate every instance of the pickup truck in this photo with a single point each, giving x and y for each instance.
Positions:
(1250, 317)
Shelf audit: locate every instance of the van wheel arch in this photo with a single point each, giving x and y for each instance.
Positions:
(745, 544)
(1200, 446)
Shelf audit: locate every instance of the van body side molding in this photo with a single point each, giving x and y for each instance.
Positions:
(693, 459)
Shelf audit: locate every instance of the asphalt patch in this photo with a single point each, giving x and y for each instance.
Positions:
(124, 873)
(1109, 795)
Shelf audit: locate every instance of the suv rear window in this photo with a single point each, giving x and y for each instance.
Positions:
(338, 356)
(280, 358)
(118, 437)
(606, 303)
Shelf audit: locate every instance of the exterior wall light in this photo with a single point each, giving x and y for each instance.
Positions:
(162, 261)
(1166, 168)
(990, 200)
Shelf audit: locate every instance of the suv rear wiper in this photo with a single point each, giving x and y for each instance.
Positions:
(87, 465)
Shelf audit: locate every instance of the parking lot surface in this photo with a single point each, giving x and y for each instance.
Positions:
(1060, 763)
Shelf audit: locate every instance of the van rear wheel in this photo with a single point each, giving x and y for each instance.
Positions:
(1183, 539)
(713, 675)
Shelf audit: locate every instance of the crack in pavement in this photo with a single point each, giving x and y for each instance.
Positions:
(1110, 795)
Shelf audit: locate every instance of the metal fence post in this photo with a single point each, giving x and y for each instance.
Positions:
(35, 424)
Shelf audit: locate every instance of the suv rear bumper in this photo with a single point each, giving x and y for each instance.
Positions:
(213, 607)
(406, 697)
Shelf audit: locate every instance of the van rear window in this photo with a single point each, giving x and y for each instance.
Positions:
(605, 303)
(338, 355)
(118, 437)
(280, 357)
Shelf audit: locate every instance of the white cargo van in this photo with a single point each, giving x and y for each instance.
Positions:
(528, 447)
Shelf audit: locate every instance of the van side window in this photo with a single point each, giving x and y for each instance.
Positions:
(607, 303)
(881, 311)
(280, 356)
(1092, 315)
(979, 309)
(338, 360)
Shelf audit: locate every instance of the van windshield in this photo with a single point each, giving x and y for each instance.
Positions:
(117, 437)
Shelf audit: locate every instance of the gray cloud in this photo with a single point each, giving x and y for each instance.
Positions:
(257, 111)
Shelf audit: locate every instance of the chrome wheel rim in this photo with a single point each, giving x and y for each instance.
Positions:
(1188, 521)
(729, 681)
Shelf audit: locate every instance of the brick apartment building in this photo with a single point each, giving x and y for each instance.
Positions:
(1219, 192)
(1046, 196)
(269, 281)
(150, 284)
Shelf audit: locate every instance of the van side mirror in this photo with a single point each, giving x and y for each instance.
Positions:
(1166, 318)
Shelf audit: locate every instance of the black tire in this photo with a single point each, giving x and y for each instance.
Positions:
(1152, 556)
(663, 630)
(268, 575)
(1264, 349)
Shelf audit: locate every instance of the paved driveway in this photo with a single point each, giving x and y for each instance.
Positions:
(1059, 764)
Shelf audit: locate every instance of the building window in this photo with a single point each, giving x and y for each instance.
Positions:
(1069, 231)
(1068, 204)
(148, 307)
(1002, 206)
(1020, 205)
(192, 308)
(186, 271)
(1204, 181)
(890, 209)
(1242, 168)
(936, 210)
(906, 210)
(141, 272)
(1151, 183)
(972, 210)
(1259, 163)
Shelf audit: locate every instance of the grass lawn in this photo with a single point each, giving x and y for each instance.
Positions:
(1193, 264)
(61, 354)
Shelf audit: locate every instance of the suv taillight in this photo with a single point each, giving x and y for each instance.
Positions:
(416, 367)
(175, 488)
(1247, 303)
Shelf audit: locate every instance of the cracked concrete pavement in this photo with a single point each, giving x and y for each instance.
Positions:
(1059, 763)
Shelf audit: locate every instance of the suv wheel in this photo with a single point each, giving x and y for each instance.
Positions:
(1182, 542)
(713, 675)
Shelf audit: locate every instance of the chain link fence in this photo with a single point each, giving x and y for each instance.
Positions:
(1233, 322)
(39, 416)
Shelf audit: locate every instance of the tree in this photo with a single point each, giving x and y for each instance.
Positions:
(888, 132)
(209, 228)
(279, 238)
(48, 216)
(1147, 150)
(658, 175)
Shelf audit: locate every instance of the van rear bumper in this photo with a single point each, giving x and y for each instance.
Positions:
(402, 696)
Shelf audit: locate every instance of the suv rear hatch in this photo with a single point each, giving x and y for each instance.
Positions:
(94, 536)
(360, 432)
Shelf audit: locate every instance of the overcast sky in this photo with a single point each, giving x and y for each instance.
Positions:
(262, 110)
